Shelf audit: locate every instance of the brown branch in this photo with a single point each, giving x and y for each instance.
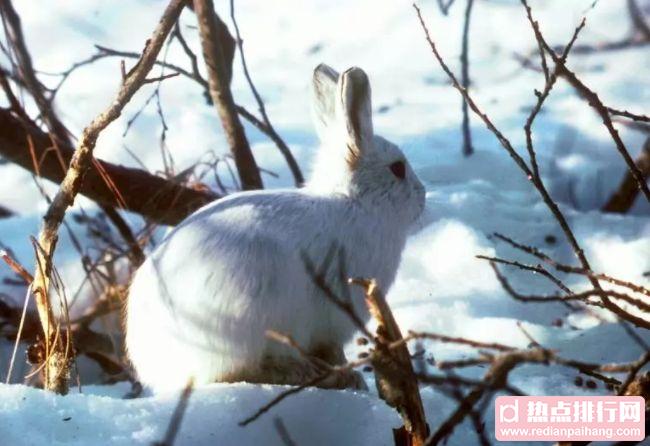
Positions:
(497, 378)
(464, 59)
(194, 61)
(20, 320)
(394, 374)
(194, 75)
(270, 131)
(537, 269)
(395, 377)
(572, 269)
(157, 199)
(27, 73)
(472, 105)
(561, 69)
(286, 339)
(530, 174)
(623, 198)
(283, 433)
(634, 369)
(210, 27)
(583, 297)
(153, 80)
(636, 15)
(551, 78)
(594, 101)
(16, 267)
(505, 143)
(283, 395)
(135, 250)
(104, 52)
(14, 103)
(640, 35)
(456, 340)
(177, 416)
(626, 114)
(320, 280)
(56, 379)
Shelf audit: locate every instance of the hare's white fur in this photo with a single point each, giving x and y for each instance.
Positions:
(199, 306)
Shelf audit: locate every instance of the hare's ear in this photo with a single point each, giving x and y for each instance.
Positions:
(324, 97)
(355, 111)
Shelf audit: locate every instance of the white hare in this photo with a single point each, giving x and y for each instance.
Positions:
(199, 306)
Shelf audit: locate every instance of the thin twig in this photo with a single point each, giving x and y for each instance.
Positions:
(594, 101)
(177, 417)
(81, 162)
(464, 60)
(572, 269)
(282, 431)
(219, 72)
(640, 363)
(457, 340)
(279, 142)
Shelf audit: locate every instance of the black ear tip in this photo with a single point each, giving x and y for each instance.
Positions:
(323, 70)
(357, 76)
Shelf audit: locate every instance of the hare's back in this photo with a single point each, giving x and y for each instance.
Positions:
(253, 234)
(288, 216)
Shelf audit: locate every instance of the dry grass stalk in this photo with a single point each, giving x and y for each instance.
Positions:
(56, 368)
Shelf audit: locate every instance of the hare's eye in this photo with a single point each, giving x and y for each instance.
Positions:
(399, 169)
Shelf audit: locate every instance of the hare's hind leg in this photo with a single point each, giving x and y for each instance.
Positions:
(295, 370)
(333, 355)
(286, 370)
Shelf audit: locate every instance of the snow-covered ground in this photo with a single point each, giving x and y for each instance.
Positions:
(441, 286)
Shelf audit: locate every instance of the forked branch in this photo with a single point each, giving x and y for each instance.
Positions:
(56, 367)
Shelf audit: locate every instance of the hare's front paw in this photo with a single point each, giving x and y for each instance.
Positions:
(332, 354)
(298, 371)
(350, 379)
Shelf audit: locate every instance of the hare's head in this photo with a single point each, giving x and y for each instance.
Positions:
(352, 159)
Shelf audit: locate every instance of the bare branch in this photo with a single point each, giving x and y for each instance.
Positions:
(27, 74)
(634, 369)
(537, 269)
(636, 15)
(394, 374)
(507, 146)
(594, 101)
(531, 173)
(573, 269)
(155, 198)
(623, 198)
(457, 340)
(464, 59)
(219, 86)
(82, 160)
(177, 417)
(282, 431)
(270, 131)
(153, 80)
(282, 396)
(626, 114)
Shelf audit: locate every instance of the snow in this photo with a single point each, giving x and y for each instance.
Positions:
(320, 417)
(441, 286)
(75, 419)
